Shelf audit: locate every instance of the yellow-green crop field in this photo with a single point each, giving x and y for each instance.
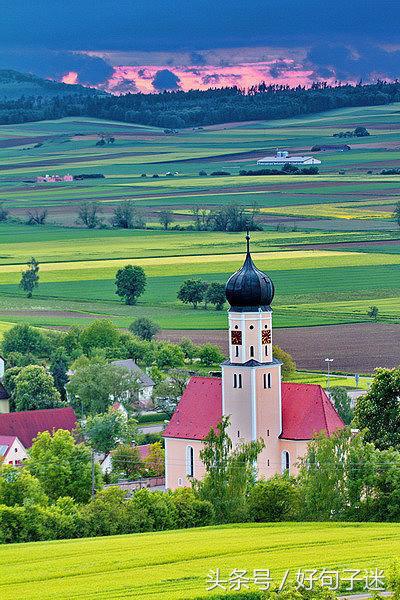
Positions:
(174, 564)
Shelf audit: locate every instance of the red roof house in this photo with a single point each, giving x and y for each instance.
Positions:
(27, 424)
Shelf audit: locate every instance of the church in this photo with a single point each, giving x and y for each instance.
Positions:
(251, 392)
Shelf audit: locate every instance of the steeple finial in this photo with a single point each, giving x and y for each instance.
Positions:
(248, 241)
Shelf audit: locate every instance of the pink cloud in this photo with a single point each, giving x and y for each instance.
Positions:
(70, 77)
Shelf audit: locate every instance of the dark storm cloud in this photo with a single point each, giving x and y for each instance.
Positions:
(165, 80)
(216, 78)
(125, 86)
(277, 68)
(133, 25)
(53, 64)
(361, 61)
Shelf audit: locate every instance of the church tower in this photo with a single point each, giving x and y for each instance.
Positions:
(251, 378)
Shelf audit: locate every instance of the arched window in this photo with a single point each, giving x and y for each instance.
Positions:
(189, 461)
(251, 351)
(285, 458)
(237, 351)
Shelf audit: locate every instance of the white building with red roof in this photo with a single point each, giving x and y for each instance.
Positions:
(12, 452)
(285, 416)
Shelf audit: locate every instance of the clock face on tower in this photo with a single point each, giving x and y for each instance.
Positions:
(266, 336)
(236, 338)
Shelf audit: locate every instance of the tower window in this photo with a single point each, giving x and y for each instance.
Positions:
(251, 351)
(285, 458)
(235, 380)
(267, 380)
(267, 432)
(239, 381)
(266, 350)
(251, 327)
(189, 461)
(238, 433)
(268, 462)
(236, 351)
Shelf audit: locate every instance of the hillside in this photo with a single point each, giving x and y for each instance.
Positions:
(14, 85)
(175, 564)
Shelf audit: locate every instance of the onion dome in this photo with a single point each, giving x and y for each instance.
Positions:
(249, 289)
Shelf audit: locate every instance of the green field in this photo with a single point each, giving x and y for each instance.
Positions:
(175, 564)
(344, 206)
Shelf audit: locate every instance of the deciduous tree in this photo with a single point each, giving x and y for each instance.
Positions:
(131, 283)
(30, 277)
(35, 389)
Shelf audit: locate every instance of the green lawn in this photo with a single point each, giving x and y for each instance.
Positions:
(175, 564)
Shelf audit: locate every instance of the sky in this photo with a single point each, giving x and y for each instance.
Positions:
(152, 45)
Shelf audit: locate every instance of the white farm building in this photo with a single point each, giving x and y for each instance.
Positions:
(282, 158)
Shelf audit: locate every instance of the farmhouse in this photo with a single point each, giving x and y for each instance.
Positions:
(54, 178)
(285, 415)
(282, 158)
(12, 452)
(146, 384)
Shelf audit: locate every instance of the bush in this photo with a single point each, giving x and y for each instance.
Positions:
(152, 417)
(210, 354)
(106, 513)
(274, 500)
(191, 511)
(156, 509)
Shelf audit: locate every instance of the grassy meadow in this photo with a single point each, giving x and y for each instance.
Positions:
(328, 241)
(175, 564)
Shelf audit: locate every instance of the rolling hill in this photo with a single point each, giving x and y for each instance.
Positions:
(14, 85)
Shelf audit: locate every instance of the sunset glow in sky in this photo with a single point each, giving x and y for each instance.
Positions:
(151, 45)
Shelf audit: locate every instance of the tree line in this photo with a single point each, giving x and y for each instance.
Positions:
(178, 109)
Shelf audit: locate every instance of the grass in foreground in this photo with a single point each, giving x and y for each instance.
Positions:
(174, 564)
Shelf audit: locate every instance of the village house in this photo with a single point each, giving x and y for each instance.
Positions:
(282, 158)
(19, 429)
(146, 384)
(12, 451)
(250, 392)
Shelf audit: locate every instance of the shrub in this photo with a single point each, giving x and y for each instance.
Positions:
(144, 328)
(288, 364)
(191, 511)
(106, 513)
(156, 510)
(274, 500)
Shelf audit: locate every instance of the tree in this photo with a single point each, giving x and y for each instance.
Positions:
(35, 390)
(130, 282)
(192, 292)
(342, 403)
(215, 294)
(88, 215)
(274, 500)
(18, 487)
(373, 312)
(37, 216)
(288, 364)
(59, 369)
(25, 339)
(144, 328)
(378, 411)
(3, 213)
(396, 213)
(126, 460)
(96, 384)
(361, 132)
(229, 474)
(63, 467)
(169, 390)
(169, 356)
(104, 431)
(127, 216)
(99, 334)
(30, 277)
(210, 354)
(166, 218)
(336, 477)
(154, 462)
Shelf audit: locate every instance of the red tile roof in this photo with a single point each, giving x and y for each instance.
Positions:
(200, 409)
(306, 410)
(26, 425)
(6, 441)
